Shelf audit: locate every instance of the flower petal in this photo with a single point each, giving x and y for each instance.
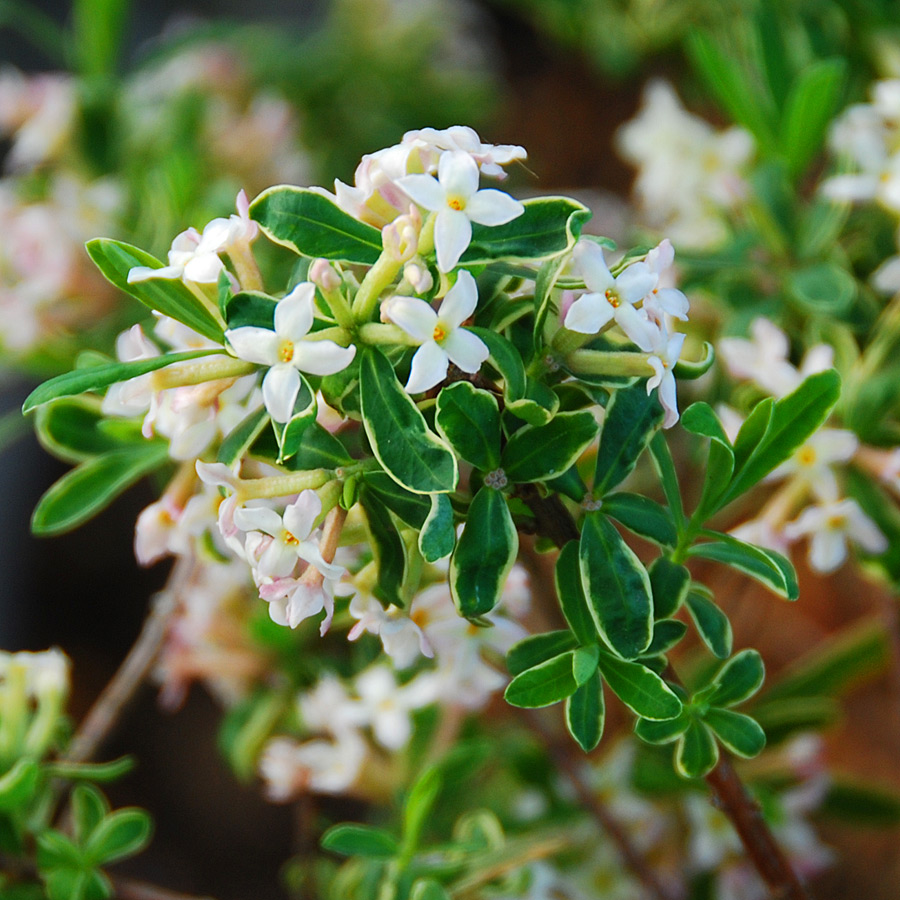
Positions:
(294, 313)
(636, 326)
(452, 234)
(256, 345)
(280, 388)
(258, 518)
(588, 314)
(460, 301)
(466, 350)
(424, 190)
(458, 174)
(322, 357)
(636, 282)
(591, 264)
(493, 207)
(414, 316)
(300, 516)
(429, 367)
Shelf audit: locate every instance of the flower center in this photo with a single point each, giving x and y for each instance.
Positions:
(806, 456)
(613, 299)
(286, 351)
(835, 523)
(454, 201)
(420, 618)
(289, 539)
(439, 333)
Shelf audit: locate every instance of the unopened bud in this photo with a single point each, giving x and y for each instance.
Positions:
(323, 275)
(418, 277)
(400, 239)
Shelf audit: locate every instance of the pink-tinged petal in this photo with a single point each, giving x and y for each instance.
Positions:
(294, 313)
(458, 174)
(300, 516)
(144, 273)
(256, 345)
(492, 207)
(466, 350)
(277, 560)
(588, 314)
(452, 234)
(216, 475)
(429, 367)
(424, 190)
(322, 357)
(661, 256)
(414, 316)
(636, 326)
(306, 601)
(591, 265)
(655, 380)
(636, 282)
(460, 301)
(673, 302)
(668, 398)
(258, 518)
(203, 268)
(278, 611)
(280, 388)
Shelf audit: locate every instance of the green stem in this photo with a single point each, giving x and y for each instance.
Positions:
(210, 368)
(376, 333)
(377, 279)
(608, 362)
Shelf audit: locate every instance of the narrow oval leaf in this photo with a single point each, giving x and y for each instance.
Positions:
(92, 486)
(18, 784)
(643, 516)
(289, 435)
(249, 308)
(407, 449)
(536, 453)
(669, 583)
(586, 713)
(584, 663)
(169, 296)
(544, 684)
(712, 624)
(697, 752)
(484, 554)
(506, 360)
(549, 226)
(360, 840)
(538, 648)
(570, 592)
(616, 586)
(765, 566)
(662, 732)
(538, 404)
(122, 833)
(388, 549)
(468, 418)
(666, 634)
(241, 438)
(738, 733)
(71, 429)
(438, 535)
(543, 297)
(428, 889)
(89, 807)
(738, 679)
(639, 688)
(313, 225)
(412, 508)
(94, 377)
(632, 418)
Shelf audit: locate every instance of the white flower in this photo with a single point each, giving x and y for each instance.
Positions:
(666, 351)
(403, 639)
(611, 298)
(288, 351)
(662, 299)
(455, 197)
(829, 526)
(812, 462)
(489, 157)
(439, 334)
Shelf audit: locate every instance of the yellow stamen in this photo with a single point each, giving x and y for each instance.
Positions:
(806, 456)
(456, 203)
(439, 333)
(289, 539)
(613, 299)
(286, 351)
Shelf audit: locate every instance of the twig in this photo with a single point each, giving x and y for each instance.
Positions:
(130, 889)
(104, 714)
(587, 797)
(555, 522)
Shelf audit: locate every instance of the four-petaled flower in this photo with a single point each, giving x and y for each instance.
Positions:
(455, 197)
(288, 351)
(439, 334)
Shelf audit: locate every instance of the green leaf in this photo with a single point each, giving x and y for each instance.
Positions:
(548, 226)
(250, 308)
(810, 107)
(536, 453)
(823, 288)
(861, 803)
(664, 731)
(169, 296)
(631, 420)
(639, 688)
(484, 554)
(616, 586)
(320, 449)
(782, 719)
(407, 449)
(290, 434)
(738, 679)
(55, 850)
(666, 634)
(794, 419)
(312, 225)
(538, 405)
(712, 624)
(428, 889)
(570, 592)
(94, 377)
(538, 648)
(586, 713)
(700, 419)
(766, 566)
(360, 840)
(419, 804)
(89, 808)
(388, 548)
(506, 360)
(665, 469)
(102, 772)
(669, 583)
(19, 784)
(438, 535)
(122, 833)
(697, 752)
(92, 486)
(584, 663)
(691, 370)
(241, 438)
(543, 296)
(72, 429)
(411, 508)
(738, 733)
(468, 418)
(643, 516)
(544, 684)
